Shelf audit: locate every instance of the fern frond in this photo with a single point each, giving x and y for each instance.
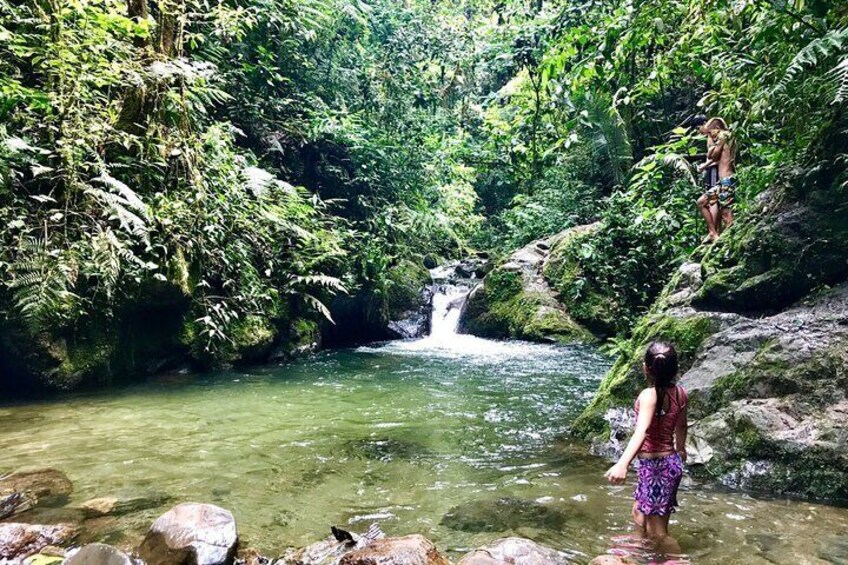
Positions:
(840, 74)
(329, 283)
(319, 306)
(41, 283)
(814, 54)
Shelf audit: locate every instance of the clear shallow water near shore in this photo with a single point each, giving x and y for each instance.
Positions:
(453, 438)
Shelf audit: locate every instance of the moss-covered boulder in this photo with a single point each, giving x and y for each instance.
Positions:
(588, 305)
(786, 247)
(515, 301)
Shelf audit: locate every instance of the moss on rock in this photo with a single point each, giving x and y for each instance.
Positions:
(686, 330)
(590, 306)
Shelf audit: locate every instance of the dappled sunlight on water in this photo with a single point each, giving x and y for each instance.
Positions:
(456, 440)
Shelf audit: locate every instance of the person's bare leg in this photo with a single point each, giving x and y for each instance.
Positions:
(656, 530)
(709, 217)
(638, 519)
(726, 218)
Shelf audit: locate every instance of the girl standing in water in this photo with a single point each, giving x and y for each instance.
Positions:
(659, 442)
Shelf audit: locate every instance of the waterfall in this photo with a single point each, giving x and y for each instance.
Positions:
(448, 301)
(450, 288)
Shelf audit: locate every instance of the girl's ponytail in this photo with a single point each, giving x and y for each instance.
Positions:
(661, 364)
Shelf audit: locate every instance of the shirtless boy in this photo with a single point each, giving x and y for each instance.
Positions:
(716, 204)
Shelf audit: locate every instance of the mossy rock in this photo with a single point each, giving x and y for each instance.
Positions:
(686, 330)
(777, 254)
(502, 308)
(588, 305)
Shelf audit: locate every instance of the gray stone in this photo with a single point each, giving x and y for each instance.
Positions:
(98, 554)
(191, 534)
(407, 550)
(514, 551)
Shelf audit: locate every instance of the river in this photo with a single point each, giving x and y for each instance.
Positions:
(451, 436)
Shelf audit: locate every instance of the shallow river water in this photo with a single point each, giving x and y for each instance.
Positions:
(456, 439)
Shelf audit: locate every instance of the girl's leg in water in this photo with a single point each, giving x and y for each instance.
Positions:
(656, 529)
(638, 519)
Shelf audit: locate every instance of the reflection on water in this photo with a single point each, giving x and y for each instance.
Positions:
(452, 438)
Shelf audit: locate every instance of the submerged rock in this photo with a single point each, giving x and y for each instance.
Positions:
(47, 485)
(191, 534)
(114, 506)
(384, 449)
(516, 301)
(407, 550)
(502, 515)
(98, 554)
(514, 551)
(18, 541)
(24, 490)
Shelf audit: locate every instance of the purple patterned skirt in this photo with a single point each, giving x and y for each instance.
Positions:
(656, 491)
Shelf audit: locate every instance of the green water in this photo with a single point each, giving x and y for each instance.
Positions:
(455, 440)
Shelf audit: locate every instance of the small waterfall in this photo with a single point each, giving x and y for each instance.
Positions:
(448, 301)
(450, 288)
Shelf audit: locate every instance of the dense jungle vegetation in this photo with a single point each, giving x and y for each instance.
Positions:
(229, 174)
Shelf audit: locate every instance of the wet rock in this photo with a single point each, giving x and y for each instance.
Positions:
(16, 503)
(18, 541)
(47, 486)
(514, 551)
(414, 321)
(407, 550)
(114, 506)
(502, 515)
(384, 449)
(191, 534)
(330, 550)
(98, 554)
(835, 550)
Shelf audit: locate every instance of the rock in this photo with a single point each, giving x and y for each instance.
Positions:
(330, 550)
(43, 483)
(98, 554)
(407, 550)
(18, 541)
(110, 505)
(516, 301)
(16, 503)
(191, 534)
(514, 551)
(22, 490)
(835, 550)
(502, 515)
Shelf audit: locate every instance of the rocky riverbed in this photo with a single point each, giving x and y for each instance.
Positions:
(193, 533)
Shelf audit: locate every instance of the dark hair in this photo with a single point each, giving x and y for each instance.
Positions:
(661, 365)
(695, 121)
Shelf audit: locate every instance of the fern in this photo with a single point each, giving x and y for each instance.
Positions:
(123, 205)
(816, 53)
(41, 283)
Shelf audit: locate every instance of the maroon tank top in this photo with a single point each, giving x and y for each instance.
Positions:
(660, 435)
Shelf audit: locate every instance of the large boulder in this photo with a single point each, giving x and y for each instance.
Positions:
(514, 551)
(98, 554)
(407, 550)
(18, 541)
(191, 534)
(516, 301)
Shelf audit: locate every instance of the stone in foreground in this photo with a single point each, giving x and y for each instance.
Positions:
(18, 541)
(191, 534)
(514, 551)
(408, 550)
(98, 554)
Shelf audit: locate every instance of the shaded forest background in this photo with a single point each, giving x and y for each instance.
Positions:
(208, 178)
